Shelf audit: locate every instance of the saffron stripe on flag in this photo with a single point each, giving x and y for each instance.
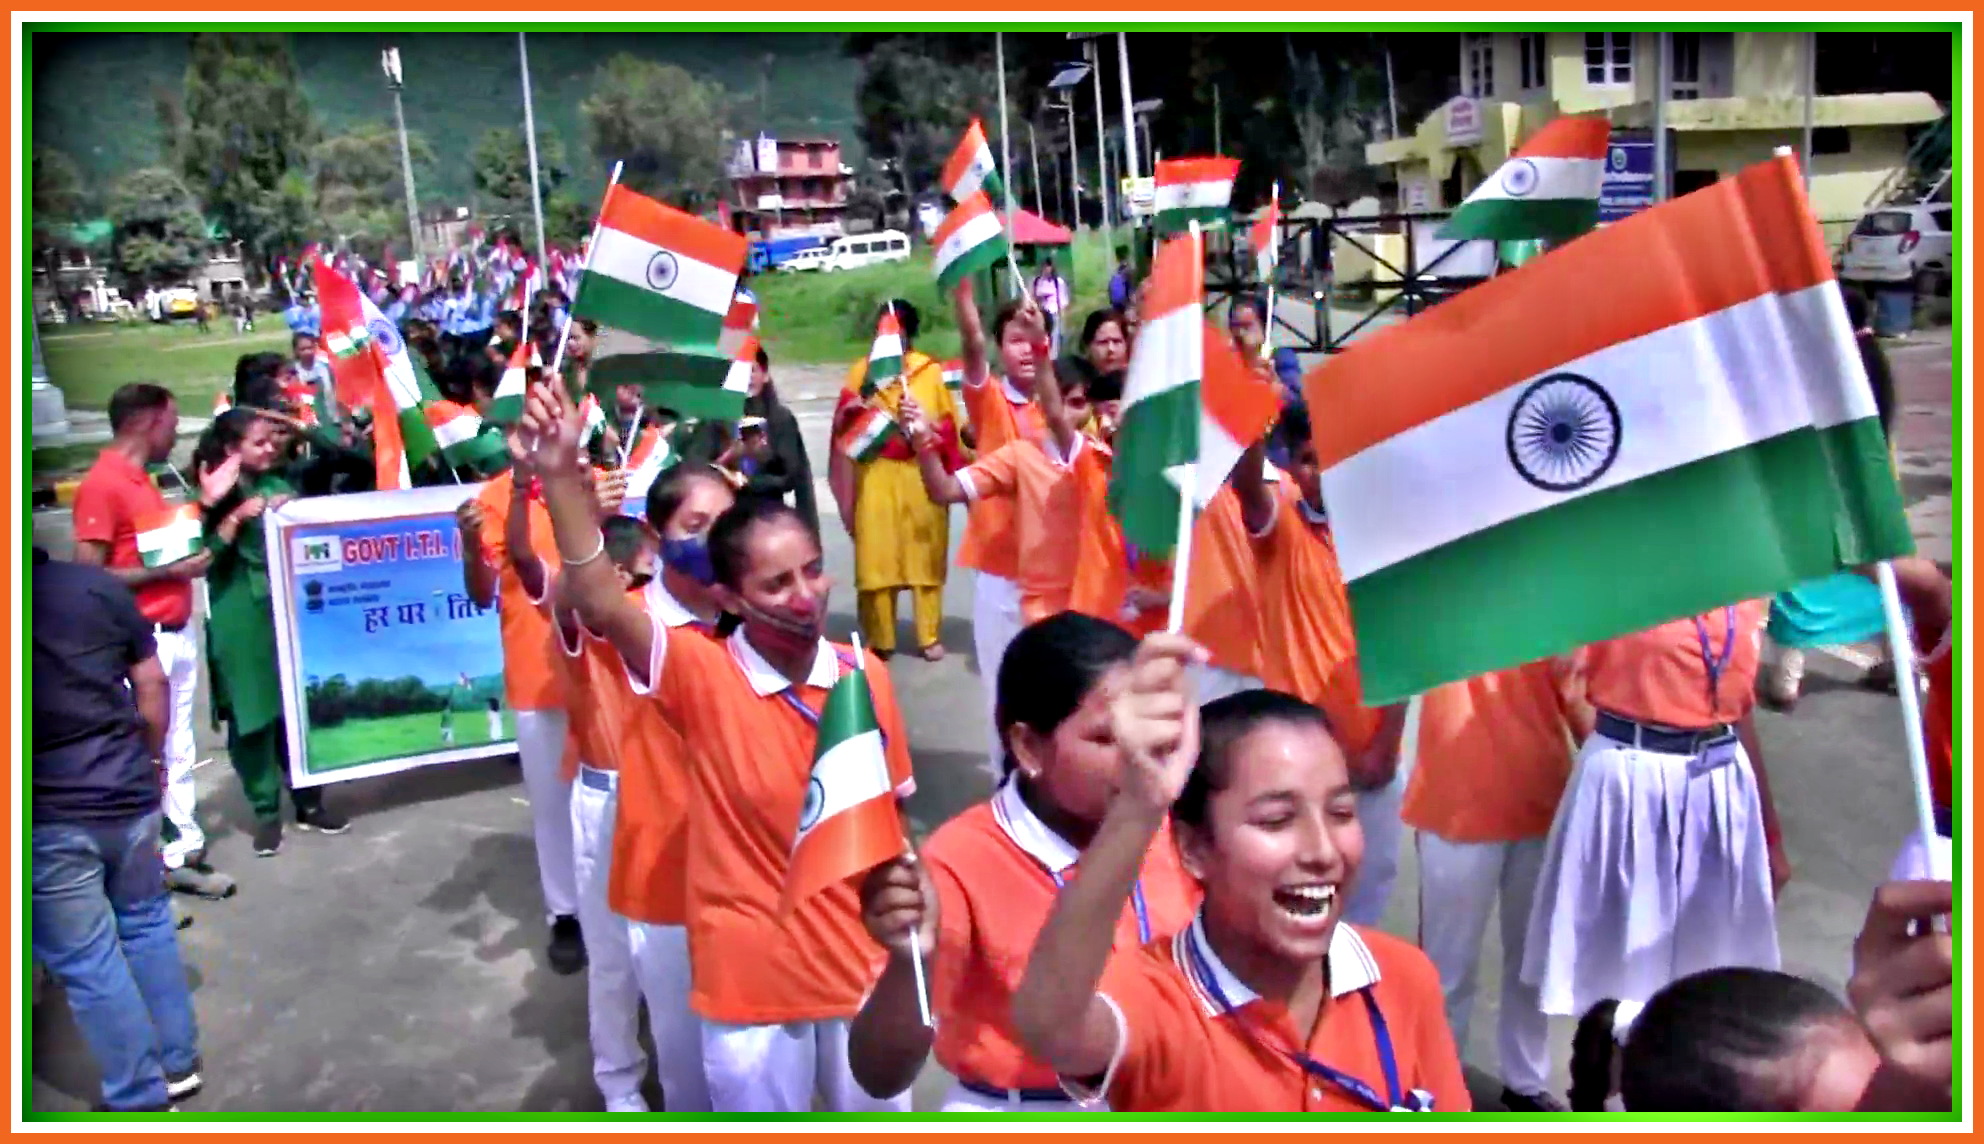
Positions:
(659, 225)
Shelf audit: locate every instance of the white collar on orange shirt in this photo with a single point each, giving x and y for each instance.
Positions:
(1012, 395)
(1351, 965)
(663, 605)
(1026, 830)
(766, 679)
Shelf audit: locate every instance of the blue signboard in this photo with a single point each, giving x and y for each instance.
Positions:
(1628, 184)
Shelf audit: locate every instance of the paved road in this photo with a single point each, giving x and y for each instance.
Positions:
(399, 967)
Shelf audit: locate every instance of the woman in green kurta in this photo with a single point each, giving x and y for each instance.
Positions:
(241, 634)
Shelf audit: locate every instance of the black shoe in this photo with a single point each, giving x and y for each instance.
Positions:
(268, 838)
(200, 882)
(323, 820)
(1532, 1102)
(180, 1085)
(567, 952)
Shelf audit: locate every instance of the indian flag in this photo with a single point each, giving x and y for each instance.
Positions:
(739, 323)
(970, 168)
(954, 376)
(506, 405)
(660, 273)
(453, 425)
(1193, 190)
(884, 355)
(1547, 189)
(970, 239)
(1574, 464)
(595, 418)
(1264, 237)
(1190, 405)
(168, 536)
(869, 434)
(849, 823)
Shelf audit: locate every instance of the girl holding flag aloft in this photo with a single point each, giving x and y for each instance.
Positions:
(775, 982)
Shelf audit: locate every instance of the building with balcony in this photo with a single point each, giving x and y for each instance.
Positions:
(787, 188)
(1732, 98)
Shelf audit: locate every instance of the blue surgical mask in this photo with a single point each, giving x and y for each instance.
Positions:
(689, 555)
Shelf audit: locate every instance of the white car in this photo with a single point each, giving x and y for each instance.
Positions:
(1906, 243)
(866, 250)
(812, 258)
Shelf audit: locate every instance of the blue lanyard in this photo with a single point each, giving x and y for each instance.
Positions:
(1358, 1090)
(1136, 903)
(1718, 664)
(812, 717)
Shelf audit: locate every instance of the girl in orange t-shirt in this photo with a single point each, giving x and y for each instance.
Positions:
(986, 879)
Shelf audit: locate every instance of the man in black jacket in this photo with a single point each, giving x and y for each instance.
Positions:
(784, 468)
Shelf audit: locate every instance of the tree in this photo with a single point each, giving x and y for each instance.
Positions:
(566, 220)
(916, 97)
(1337, 100)
(359, 186)
(157, 233)
(664, 124)
(60, 200)
(241, 136)
(500, 165)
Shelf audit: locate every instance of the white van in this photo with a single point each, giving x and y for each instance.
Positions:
(867, 250)
(811, 258)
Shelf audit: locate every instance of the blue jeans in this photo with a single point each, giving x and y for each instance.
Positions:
(103, 927)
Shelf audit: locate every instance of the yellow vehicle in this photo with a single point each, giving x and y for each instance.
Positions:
(180, 302)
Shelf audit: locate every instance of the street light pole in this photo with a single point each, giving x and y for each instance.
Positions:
(1074, 176)
(1093, 55)
(389, 62)
(1033, 145)
(530, 150)
(1129, 128)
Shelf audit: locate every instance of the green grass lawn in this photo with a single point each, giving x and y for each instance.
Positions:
(87, 362)
(357, 741)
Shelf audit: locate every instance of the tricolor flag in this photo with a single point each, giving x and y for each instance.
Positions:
(1547, 189)
(970, 239)
(739, 323)
(373, 370)
(1579, 464)
(871, 430)
(455, 428)
(1264, 237)
(954, 376)
(970, 167)
(595, 418)
(884, 355)
(506, 405)
(1193, 190)
(660, 273)
(1190, 405)
(849, 823)
(168, 536)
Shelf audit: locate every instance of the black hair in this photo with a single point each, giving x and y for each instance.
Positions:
(1074, 374)
(255, 380)
(623, 537)
(1293, 426)
(131, 400)
(1106, 386)
(222, 434)
(764, 359)
(299, 336)
(1223, 725)
(671, 488)
(1098, 319)
(1048, 670)
(512, 319)
(906, 317)
(1724, 1040)
(733, 528)
(1004, 316)
(1254, 302)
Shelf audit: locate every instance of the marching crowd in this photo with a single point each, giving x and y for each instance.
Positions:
(1168, 903)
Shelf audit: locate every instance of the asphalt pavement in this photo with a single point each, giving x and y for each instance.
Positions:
(400, 968)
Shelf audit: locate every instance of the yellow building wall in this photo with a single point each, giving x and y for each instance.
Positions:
(1768, 64)
(1841, 184)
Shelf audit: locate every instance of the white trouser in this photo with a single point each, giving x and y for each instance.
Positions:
(541, 751)
(613, 994)
(1458, 882)
(780, 1068)
(179, 655)
(661, 962)
(496, 734)
(1377, 812)
(995, 620)
(962, 1099)
(1922, 859)
(1218, 683)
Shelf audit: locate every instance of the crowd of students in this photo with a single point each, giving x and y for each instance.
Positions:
(1169, 901)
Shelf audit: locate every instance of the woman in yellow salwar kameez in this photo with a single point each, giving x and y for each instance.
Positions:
(902, 540)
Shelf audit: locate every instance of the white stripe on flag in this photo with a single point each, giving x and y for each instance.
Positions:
(622, 256)
(1165, 346)
(1181, 196)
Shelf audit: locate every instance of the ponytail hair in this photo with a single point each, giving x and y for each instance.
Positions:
(1593, 1048)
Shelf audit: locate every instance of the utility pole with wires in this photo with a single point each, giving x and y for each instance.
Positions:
(389, 62)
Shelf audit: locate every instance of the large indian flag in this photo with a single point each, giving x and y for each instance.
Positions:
(168, 536)
(970, 168)
(660, 273)
(1548, 189)
(1573, 463)
(849, 823)
(970, 239)
(1190, 405)
(1193, 190)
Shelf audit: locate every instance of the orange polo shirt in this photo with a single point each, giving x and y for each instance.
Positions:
(750, 757)
(1106, 570)
(1224, 591)
(995, 868)
(530, 681)
(1309, 647)
(1657, 676)
(1183, 1051)
(1047, 493)
(115, 497)
(1494, 754)
(648, 881)
(999, 416)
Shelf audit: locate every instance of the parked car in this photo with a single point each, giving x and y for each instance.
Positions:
(812, 258)
(1905, 243)
(178, 302)
(867, 250)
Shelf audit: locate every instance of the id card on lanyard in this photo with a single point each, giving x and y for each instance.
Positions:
(1716, 755)
(1392, 1100)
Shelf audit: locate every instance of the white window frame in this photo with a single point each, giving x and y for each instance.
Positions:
(1533, 61)
(1478, 52)
(1610, 71)
(1684, 83)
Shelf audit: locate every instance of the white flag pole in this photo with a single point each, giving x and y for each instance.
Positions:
(1274, 264)
(915, 938)
(1186, 477)
(1006, 161)
(1902, 649)
(592, 244)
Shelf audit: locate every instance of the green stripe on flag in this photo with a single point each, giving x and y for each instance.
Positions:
(984, 256)
(1157, 433)
(690, 384)
(1554, 219)
(418, 437)
(1740, 525)
(1179, 219)
(614, 303)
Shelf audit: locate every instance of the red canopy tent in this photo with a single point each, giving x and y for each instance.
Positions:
(1029, 229)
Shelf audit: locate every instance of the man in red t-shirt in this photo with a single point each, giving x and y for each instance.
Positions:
(115, 502)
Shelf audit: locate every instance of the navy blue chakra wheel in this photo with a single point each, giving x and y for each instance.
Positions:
(1563, 433)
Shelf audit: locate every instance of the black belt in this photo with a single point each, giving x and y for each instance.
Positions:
(1023, 1095)
(1663, 740)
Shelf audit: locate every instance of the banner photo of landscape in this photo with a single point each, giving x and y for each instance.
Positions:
(386, 663)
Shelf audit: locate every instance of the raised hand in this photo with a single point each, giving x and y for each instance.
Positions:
(550, 428)
(898, 902)
(915, 424)
(1902, 978)
(609, 490)
(1155, 717)
(215, 481)
(469, 519)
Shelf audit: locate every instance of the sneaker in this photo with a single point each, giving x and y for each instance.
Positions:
(180, 1085)
(323, 820)
(201, 883)
(268, 838)
(1532, 1102)
(567, 952)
